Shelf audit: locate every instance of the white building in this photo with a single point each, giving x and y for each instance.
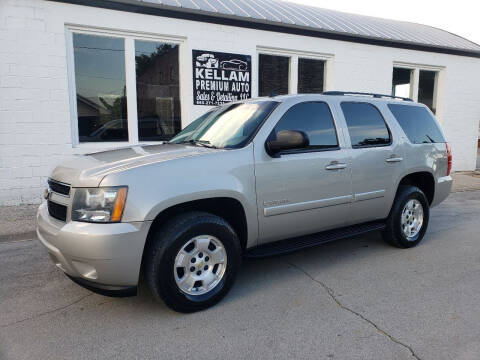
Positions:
(81, 76)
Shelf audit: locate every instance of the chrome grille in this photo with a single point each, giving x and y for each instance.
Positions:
(59, 187)
(57, 211)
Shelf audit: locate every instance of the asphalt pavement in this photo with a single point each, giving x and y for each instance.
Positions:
(353, 299)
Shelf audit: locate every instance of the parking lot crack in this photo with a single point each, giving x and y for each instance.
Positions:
(46, 312)
(332, 295)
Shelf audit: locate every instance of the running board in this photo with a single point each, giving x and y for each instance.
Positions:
(307, 241)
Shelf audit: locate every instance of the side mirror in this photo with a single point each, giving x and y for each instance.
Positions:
(286, 140)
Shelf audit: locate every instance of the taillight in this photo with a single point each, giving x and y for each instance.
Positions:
(449, 157)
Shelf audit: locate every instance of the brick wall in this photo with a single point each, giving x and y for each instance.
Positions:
(34, 131)
(35, 127)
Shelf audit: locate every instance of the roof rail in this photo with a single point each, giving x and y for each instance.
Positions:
(379, 96)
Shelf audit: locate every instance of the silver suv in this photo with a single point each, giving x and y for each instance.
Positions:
(248, 179)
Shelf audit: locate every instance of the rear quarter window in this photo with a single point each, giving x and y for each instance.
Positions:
(418, 124)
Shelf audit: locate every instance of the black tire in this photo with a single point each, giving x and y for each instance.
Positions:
(167, 242)
(393, 234)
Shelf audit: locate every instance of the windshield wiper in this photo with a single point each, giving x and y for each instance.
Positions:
(204, 143)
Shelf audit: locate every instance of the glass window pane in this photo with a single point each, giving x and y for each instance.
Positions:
(402, 82)
(315, 120)
(310, 76)
(229, 126)
(365, 125)
(234, 127)
(273, 74)
(190, 128)
(100, 84)
(426, 88)
(418, 124)
(158, 94)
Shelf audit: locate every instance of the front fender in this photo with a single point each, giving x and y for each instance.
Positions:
(152, 188)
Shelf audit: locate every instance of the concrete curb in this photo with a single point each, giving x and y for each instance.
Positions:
(31, 235)
(18, 222)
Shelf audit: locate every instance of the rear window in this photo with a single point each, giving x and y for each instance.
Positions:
(418, 124)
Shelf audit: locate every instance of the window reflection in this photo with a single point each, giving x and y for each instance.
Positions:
(310, 76)
(273, 73)
(100, 84)
(426, 89)
(190, 128)
(365, 125)
(158, 96)
(228, 126)
(402, 82)
(315, 120)
(417, 123)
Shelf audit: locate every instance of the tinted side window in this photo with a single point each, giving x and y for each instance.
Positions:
(365, 125)
(314, 119)
(417, 123)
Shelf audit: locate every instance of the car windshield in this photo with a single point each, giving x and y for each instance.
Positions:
(229, 126)
(190, 128)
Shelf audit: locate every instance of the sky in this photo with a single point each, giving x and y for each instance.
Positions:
(459, 17)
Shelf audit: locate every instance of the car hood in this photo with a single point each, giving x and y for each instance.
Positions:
(90, 169)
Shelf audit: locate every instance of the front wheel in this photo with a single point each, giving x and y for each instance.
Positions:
(408, 219)
(193, 261)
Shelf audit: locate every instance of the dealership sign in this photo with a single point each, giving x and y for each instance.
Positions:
(219, 78)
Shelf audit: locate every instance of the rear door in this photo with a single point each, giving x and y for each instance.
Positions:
(377, 160)
(305, 190)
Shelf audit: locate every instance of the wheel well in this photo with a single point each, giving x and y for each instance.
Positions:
(424, 181)
(231, 210)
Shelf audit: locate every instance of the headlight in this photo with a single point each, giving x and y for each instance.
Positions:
(102, 205)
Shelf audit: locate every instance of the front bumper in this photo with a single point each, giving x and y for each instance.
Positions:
(106, 290)
(102, 257)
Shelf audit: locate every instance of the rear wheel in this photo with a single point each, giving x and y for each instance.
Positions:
(408, 219)
(193, 261)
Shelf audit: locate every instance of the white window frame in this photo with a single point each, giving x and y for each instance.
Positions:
(294, 55)
(437, 89)
(130, 80)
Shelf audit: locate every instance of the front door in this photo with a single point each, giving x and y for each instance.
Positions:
(305, 190)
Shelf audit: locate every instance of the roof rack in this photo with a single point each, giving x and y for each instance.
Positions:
(378, 96)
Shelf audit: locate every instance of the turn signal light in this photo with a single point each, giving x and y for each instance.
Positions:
(119, 204)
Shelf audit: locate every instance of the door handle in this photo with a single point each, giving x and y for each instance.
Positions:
(335, 165)
(393, 159)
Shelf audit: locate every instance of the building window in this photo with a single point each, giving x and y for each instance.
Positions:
(273, 75)
(100, 88)
(366, 125)
(426, 88)
(310, 76)
(123, 89)
(158, 96)
(418, 82)
(402, 82)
